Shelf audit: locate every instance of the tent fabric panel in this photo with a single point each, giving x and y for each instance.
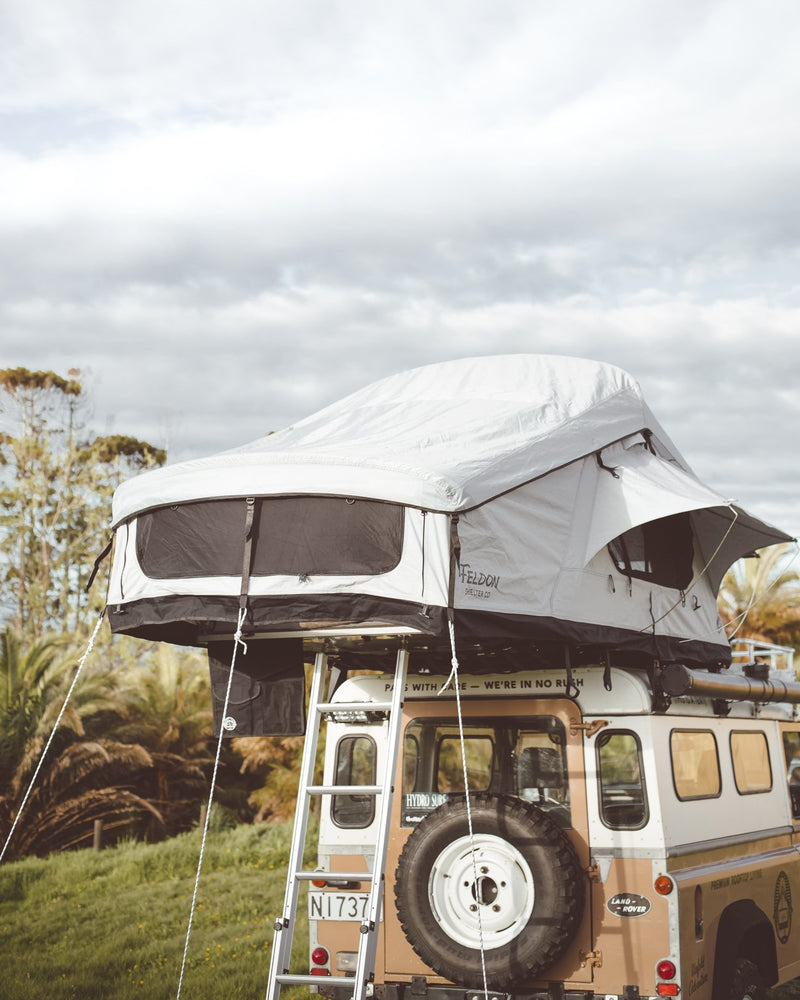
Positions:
(228, 476)
(445, 437)
(720, 547)
(421, 575)
(602, 596)
(267, 690)
(514, 547)
(636, 487)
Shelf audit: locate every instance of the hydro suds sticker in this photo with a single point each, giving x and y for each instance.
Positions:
(628, 904)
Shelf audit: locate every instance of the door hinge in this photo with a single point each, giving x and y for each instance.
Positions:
(587, 728)
(593, 873)
(591, 958)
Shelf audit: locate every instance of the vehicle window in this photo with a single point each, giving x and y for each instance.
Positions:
(660, 551)
(751, 768)
(479, 754)
(623, 801)
(510, 756)
(695, 764)
(355, 765)
(410, 759)
(791, 748)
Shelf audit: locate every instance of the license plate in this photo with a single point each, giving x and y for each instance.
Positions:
(337, 905)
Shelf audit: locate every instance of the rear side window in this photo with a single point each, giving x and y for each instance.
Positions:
(660, 551)
(695, 764)
(292, 536)
(623, 800)
(751, 768)
(355, 765)
(791, 749)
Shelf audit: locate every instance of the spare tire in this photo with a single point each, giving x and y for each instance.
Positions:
(525, 884)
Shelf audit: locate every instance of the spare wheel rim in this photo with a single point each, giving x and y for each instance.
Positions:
(502, 896)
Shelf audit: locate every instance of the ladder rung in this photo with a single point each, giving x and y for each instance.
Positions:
(332, 877)
(344, 789)
(299, 980)
(354, 706)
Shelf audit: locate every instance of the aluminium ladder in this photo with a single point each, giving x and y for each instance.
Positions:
(279, 974)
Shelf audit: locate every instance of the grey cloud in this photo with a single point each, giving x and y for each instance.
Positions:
(244, 213)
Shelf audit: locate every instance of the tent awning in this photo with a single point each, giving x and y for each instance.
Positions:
(634, 486)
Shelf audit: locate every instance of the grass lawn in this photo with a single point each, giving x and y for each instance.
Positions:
(112, 924)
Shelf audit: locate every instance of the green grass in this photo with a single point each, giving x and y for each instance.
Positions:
(112, 924)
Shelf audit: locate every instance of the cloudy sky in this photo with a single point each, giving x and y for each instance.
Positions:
(230, 214)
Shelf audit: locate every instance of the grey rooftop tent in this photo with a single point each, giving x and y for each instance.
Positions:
(532, 498)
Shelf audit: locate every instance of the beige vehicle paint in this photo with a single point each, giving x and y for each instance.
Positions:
(702, 872)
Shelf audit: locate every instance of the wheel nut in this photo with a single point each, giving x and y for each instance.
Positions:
(496, 908)
(484, 869)
(473, 907)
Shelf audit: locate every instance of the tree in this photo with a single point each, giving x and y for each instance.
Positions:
(275, 762)
(164, 705)
(55, 491)
(80, 779)
(760, 597)
(30, 681)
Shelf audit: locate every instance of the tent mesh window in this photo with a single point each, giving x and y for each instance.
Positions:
(660, 551)
(292, 536)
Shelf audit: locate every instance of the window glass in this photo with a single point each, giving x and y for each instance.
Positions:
(660, 551)
(511, 756)
(695, 763)
(623, 802)
(479, 754)
(410, 758)
(751, 767)
(355, 765)
(791, 748)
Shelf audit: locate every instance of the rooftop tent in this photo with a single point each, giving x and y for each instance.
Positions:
(537, 497)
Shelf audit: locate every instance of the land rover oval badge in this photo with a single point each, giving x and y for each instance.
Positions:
(629, 904)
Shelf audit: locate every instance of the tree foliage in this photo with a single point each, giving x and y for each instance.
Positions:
(760, 597)
(56, 482)
(80, 779)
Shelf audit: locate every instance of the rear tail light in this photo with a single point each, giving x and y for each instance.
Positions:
(666, 969)
(319, 956)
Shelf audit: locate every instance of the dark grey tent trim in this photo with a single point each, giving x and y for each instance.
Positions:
(183, 619)
(475, 625)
